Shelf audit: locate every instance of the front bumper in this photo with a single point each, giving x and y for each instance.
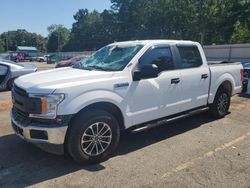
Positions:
(48, 137)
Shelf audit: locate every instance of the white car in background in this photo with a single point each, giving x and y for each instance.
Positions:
(42, 58)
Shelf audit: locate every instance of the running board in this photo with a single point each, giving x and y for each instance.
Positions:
(167, 120)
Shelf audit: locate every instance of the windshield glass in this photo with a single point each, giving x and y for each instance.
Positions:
(110, 58)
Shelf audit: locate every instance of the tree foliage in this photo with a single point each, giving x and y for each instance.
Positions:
(1, 46)
(12, 39)
(58, 38)
(206, 21)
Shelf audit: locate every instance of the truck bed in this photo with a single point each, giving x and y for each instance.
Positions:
(221, 63)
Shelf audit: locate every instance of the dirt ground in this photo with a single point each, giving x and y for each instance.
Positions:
(198, 151)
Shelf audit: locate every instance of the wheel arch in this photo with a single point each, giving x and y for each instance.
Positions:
(227, 85)
(107, 107)
(224, 81)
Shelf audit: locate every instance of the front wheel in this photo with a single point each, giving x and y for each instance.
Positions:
(93, 136)
(221, 103)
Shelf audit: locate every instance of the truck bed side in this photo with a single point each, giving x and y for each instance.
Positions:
(225, 73)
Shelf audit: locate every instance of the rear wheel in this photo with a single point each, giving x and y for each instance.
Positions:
(93, 136)
(221, 103)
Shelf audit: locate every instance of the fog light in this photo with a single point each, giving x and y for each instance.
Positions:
(37, 134)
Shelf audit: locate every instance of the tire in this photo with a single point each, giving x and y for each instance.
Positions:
(81, 126)
(221, 104)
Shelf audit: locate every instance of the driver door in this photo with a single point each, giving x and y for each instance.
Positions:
(155, 98)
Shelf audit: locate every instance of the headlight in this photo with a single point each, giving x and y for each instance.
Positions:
(49, 104)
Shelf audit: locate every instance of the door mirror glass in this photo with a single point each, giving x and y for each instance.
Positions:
(146, 72)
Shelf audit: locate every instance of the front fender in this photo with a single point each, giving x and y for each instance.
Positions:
(73, 106)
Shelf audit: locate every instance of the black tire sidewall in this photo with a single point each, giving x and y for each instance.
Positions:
(214, 107)
(77, 128)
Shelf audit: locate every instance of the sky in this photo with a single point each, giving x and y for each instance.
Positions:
(37, 15)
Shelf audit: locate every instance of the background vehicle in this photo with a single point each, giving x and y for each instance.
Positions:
(20, 57)
(17, 57)
(70, 62)
(246, 76)
(123, 85)
(54, 58)
(10, 70)
(42, 58)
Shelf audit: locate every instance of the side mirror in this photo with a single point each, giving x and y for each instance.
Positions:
(146, 72)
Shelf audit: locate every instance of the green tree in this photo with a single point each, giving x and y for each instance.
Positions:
(57, 38)
(91, 30)
(1, 46)
(207, 21)
(241, 34)
(20, 37)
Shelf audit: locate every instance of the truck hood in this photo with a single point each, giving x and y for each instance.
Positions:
(46, 82)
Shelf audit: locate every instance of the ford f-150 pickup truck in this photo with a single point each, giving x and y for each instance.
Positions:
(82, 109)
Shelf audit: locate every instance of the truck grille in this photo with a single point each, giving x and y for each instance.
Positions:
(23, 103)
(19, 90)
(20, 117)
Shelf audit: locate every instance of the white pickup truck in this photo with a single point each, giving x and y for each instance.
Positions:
(135, 84)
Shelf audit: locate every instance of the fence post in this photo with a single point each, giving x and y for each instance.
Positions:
(230, 53)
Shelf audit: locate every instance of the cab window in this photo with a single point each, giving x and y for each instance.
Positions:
(190, 57)
(160, 56)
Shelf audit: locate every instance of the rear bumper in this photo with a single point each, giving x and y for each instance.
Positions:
(49, 138)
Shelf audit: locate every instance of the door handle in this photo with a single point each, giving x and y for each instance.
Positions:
(204, 76)
(175, 80)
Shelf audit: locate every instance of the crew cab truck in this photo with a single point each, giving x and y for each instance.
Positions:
(82, 109)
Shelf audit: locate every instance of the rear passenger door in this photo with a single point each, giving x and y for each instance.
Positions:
(194, 75)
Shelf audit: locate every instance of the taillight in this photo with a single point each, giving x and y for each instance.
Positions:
(241, 74)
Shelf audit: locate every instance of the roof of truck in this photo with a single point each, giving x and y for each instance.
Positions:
(144, 42)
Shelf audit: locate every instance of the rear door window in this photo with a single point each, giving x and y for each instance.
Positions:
(190, 57)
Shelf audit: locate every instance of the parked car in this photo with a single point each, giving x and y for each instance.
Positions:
(54, 58)
(20, 57)
(135, 84)
(17, 57)
(42, 58)
(10, 70)
(28, 57)
(70, 62)
(246, 76)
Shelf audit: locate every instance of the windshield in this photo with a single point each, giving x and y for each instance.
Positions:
(110, 58)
